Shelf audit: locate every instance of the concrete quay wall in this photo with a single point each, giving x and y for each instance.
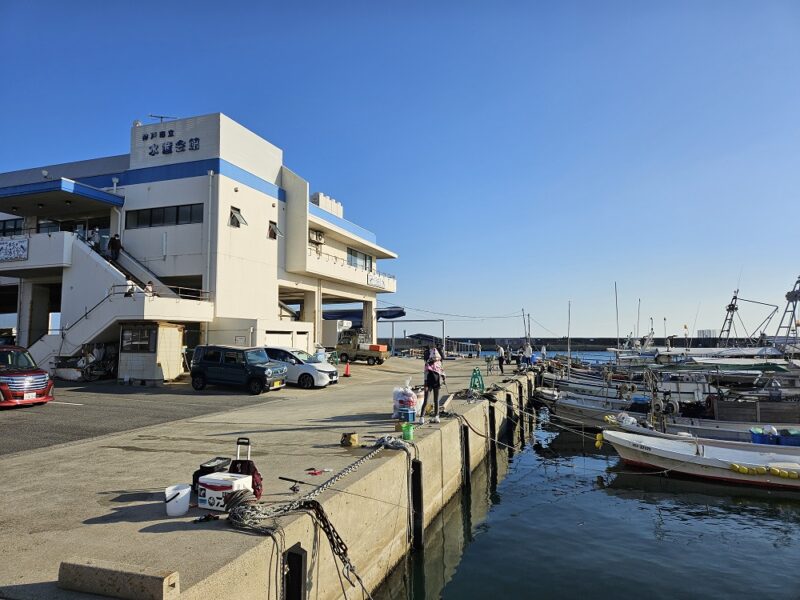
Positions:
(370, 509)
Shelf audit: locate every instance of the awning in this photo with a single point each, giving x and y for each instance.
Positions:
(55, 198)
(356, 316)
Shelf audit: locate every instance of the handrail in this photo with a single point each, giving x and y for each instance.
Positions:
(181, 292)
(343, 261)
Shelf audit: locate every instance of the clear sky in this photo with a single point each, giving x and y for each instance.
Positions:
(515, 154)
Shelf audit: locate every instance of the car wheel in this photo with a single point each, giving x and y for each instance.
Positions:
(255, 386)
(380, 361)
(198, 382)
(370, 361)
(344, 358)
(306, 381)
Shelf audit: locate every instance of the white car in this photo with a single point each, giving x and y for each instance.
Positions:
(303, 369)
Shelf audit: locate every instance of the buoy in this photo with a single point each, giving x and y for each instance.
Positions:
(599, 437)
(784, 474)
(793, 475)
(743, 470)
(761, 470)
(598, 444)
(774, 471)
(346, 369)
(734, 467)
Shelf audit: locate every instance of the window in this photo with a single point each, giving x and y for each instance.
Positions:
(359, 260)
(184, 214)
(233, 358)
(212, 355)
(156, 217)
(236, 219)
(170, 215)
(273, 230)
(164, 215)
(11, 227)
(139, 338)
(197, 213)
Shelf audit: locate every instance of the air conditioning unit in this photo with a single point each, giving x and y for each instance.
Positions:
(320, 237)
(316, 237)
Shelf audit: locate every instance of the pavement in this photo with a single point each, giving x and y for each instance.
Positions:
(103, 497)
(87, 410)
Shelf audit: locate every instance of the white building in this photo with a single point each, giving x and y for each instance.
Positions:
(207, 211)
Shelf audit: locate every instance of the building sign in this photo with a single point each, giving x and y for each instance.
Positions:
(164, 142)
(170, 142)
(13, 250)
(376, 280)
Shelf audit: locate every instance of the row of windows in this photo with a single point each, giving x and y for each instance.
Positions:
(359, 259)
(11, 227)
(166, 215)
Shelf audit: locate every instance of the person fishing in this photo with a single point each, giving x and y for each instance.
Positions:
(434, 377)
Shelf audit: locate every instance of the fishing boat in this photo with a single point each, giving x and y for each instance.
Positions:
(591, 411)
(731, 462)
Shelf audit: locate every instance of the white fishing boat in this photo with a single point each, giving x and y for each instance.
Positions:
(732, 462)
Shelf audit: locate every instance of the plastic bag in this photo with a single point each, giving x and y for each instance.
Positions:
(403, 397)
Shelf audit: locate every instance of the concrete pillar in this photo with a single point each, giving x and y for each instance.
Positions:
(312, 313)
(370, 317)
(33, 317)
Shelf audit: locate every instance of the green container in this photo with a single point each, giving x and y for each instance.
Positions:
(408, 432)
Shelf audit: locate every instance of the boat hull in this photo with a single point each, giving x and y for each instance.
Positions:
(679, 457)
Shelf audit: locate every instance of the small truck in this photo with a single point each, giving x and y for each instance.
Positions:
(353, 346)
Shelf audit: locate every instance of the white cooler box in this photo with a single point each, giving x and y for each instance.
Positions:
(212, 488)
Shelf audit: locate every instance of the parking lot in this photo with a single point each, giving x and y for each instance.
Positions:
(84, 410)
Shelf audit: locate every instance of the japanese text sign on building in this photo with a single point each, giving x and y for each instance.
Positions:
(163, 142)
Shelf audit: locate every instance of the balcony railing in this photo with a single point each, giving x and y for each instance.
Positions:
(342, 261)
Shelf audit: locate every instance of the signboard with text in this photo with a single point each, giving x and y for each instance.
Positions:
(13, 250)
(181, 140)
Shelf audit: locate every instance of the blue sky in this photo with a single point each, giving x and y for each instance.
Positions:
(515, 154)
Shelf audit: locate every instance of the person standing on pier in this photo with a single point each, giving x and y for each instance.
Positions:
(528, 353)
(501, 358)
(478, 350)
(434, 377)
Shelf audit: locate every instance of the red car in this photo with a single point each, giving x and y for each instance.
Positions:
(21, 381)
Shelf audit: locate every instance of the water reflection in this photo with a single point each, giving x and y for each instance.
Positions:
(574, 519)
(425, 574)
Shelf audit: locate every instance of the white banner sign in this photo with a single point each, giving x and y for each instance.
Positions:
(376, 280)
(13, 250)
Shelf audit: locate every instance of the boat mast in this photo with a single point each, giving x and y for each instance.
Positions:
(616, 304)
(638, 315)
(790, 317)
(730, 312)
(569, 353)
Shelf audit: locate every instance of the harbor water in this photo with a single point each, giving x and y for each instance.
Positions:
(557, 518)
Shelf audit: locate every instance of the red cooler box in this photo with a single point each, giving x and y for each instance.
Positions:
(212, 488)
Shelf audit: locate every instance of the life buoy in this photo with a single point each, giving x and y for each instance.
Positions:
(658, 406)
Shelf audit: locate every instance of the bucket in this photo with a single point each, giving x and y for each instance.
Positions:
(408, 415)
(408, 432)
(176, 497)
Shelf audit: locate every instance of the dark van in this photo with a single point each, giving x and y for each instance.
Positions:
(234, 366)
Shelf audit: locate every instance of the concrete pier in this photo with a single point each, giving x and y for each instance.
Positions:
(101, 501)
